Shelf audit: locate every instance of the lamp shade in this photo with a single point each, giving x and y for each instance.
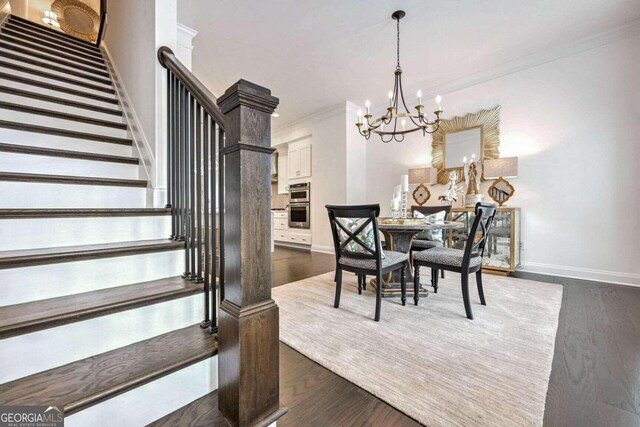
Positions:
(423, 176)
(506, 167)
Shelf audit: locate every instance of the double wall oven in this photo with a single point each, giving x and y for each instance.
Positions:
(299, 205)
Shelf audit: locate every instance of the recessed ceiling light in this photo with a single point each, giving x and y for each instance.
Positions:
(275, 115)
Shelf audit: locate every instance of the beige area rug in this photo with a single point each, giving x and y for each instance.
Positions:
(430, 361)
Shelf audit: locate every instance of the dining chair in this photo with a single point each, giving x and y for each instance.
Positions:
(357, 247)
(464, 261)
(425, 240)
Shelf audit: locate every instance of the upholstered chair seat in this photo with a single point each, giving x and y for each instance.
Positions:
(425, 244)
(446, 256)
(390, 258)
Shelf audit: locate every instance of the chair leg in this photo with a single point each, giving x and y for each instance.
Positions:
(378, 295)
(416, 284)
(465, 295)
(364, 282)
(403, 284)
(435, 280)
(480, 290)
(442, 274)
(336, 304)
(359, 284)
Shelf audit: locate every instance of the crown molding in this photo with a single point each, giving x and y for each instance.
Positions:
(317, 116)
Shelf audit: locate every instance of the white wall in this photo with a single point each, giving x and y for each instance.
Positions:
(328, 166)
(135, 32)
(574, 123)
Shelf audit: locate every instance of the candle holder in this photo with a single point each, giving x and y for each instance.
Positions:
(403, 204)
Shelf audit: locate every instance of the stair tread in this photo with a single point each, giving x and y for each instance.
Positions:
(68, 179)
(39, 27)
(10, 38)
(38, 315)
(63, 101)
(50, 40)
(50, 86)
(54, 152)
(22, 257)
(100, 70)
(64, 132)
(58, 77)
(30, 37)
(61, 115)
(26, 57)
(77, 213)
(201, 412)
(86, 382)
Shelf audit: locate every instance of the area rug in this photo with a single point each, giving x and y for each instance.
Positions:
(430, 361)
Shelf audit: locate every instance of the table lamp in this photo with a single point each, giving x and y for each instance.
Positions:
(422, 176)
(507, 167)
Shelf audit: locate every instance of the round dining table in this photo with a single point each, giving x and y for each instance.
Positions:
(399, 234)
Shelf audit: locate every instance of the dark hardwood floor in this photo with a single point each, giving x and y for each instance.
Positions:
(595, 377)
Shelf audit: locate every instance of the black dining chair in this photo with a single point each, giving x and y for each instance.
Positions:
(358, 250)
(419, 243)
(464, 261)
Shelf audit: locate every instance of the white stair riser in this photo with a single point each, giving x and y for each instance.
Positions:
(23, 355)
(61, 108)
(82, 75)
(152, 401)
(28, 163)
(11, 136)
(86, 61)
(59, 123)
(57, 82)
(53, 232)
(34, 283)
(46, 195)
(59, 94)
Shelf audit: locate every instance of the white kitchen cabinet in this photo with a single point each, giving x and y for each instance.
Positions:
(283, 174)
(299, 160)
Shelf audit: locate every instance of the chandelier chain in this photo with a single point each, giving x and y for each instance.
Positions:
(398, 42)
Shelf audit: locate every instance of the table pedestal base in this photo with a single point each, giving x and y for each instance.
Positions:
(392, 290)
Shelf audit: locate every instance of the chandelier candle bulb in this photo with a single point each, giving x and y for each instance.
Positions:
(438, 103)
(419, 97)
(367, 104)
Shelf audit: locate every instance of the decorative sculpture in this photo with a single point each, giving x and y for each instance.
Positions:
(453, 190)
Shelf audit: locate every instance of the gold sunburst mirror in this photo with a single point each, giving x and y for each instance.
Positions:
(475, 133)
(77, 19)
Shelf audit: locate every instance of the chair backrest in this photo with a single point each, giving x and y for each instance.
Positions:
(430, 210)
(485, 213)
(349, 224)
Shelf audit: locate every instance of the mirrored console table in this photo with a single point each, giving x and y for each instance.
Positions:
(502, 252)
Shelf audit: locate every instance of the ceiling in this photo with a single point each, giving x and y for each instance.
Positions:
(316, 54)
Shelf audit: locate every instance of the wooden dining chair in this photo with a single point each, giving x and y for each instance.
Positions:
(464, 261)
(420, 243)
(357, 247)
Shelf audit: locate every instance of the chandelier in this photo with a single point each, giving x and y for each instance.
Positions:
(396, 123)
(50, 18)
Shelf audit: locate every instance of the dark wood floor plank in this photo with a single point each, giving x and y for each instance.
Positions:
(38, 315)
(21, 258)
(86, 382)
(200, 412)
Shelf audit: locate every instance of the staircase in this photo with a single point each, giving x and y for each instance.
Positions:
(94, 314)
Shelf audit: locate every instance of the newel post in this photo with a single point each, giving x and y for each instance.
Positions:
(248, 355)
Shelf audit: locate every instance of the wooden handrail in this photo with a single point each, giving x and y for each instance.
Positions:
(199, 91)
(103, 20)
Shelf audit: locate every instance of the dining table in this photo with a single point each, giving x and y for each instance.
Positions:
(399, 234)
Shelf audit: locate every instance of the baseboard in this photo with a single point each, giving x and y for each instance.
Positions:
(582, 273)
(292, 245)
(322, 249)
(141, 146)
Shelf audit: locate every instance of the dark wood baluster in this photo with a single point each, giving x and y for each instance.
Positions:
(212, 175)
(169, 133)
(192, 189)
(205, 196)
(198, 195)
(180, 163)
(221, 207)
(175, 108)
